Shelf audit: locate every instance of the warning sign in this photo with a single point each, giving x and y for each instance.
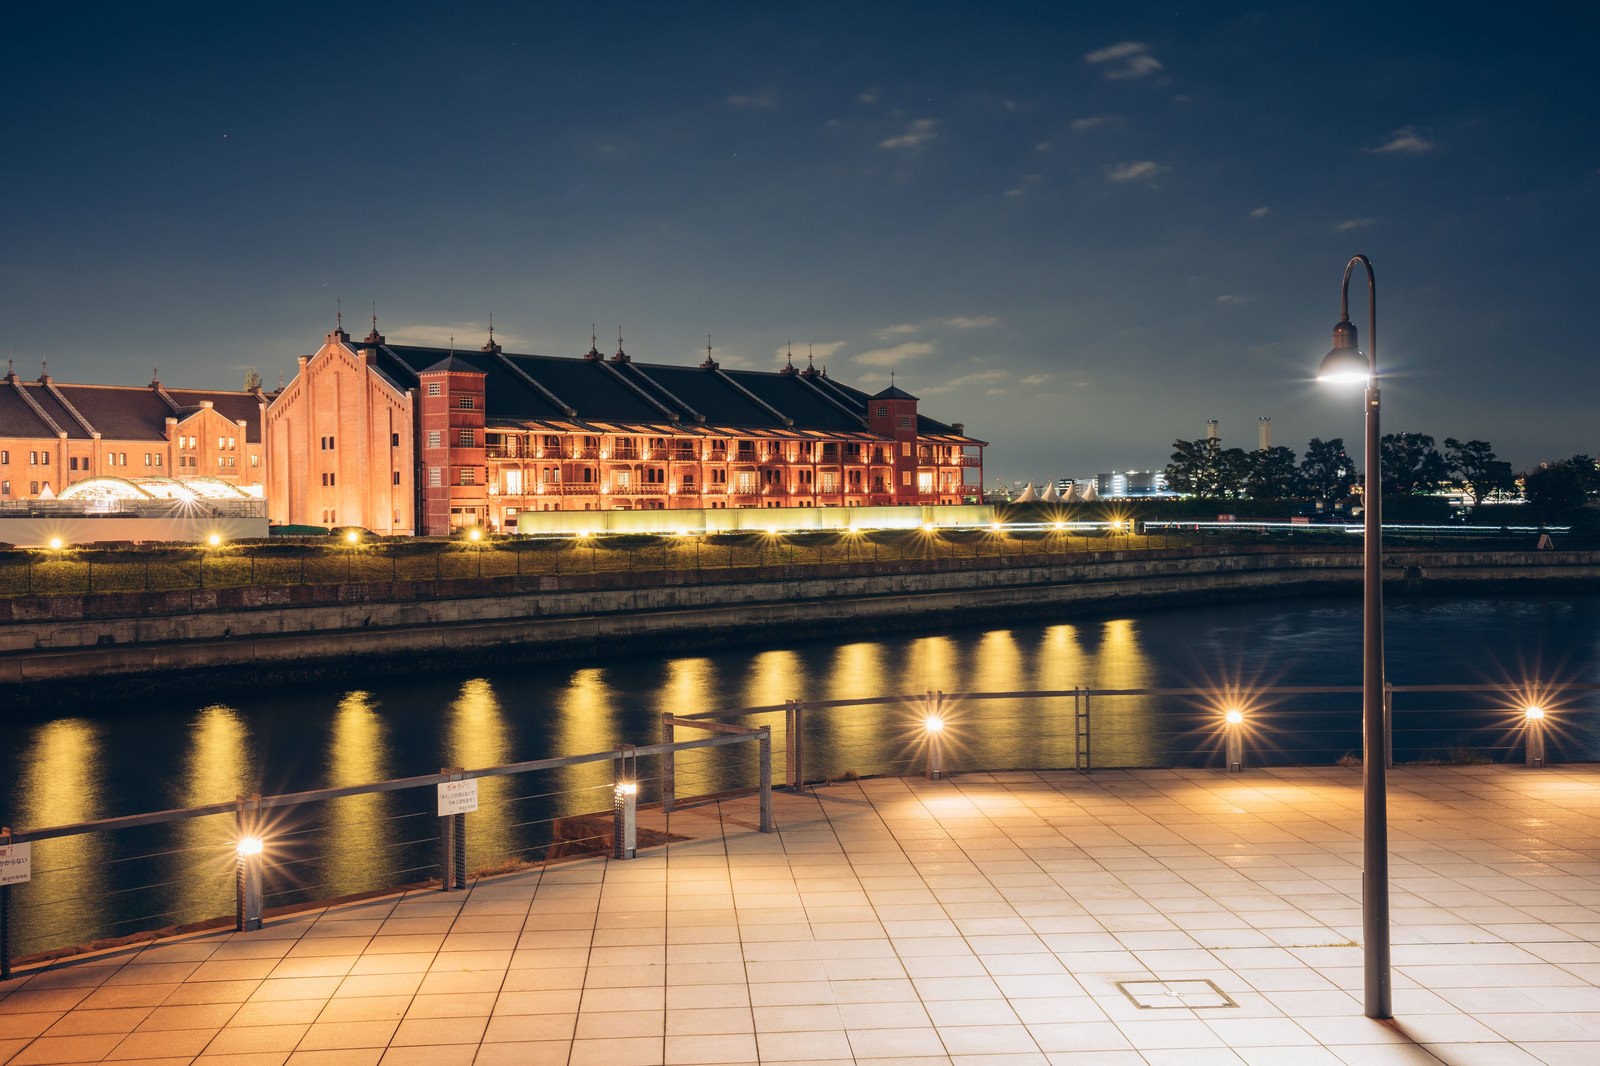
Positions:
(16, 863)
(458, 797)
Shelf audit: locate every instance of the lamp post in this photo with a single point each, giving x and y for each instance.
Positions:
(1347, 363)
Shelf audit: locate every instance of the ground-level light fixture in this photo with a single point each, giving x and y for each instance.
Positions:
(1533, 713)
(1234, 716)
(55, 544)
(352, 537)
(215, 540)
(933, 730)
(247, 902)
(474, 534)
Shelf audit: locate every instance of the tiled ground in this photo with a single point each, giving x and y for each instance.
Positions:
(983, 919)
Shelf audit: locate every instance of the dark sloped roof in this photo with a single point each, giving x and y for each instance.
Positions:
(52, 407)
(121, 412)
(234, 406)
(893, 393)
(612, 392)
(451, 363)
(17, 419)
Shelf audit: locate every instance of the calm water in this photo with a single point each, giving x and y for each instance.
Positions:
(88, 762)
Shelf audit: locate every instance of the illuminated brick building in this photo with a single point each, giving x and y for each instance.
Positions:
(403, 439)
(54, 435)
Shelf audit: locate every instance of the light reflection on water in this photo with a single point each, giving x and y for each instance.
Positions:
(75, 768)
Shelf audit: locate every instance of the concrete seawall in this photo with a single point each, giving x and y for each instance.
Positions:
(126, 642)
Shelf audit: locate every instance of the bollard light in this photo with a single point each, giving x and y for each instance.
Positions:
(474, 534)
(933, 728)
(1533, 721)
(352, 537)
(1234, 738)
(55, 544)
(247, 902)
(626, 823)
(215, 540)
(583, 534)
(927, 527)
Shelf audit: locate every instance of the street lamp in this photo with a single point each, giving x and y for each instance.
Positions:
(1346, 363)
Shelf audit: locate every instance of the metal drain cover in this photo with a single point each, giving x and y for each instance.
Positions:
(1165, 995)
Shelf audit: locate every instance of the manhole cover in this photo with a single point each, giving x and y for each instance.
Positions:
(1159, 995)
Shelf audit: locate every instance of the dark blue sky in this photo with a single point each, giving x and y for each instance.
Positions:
(1080, 232)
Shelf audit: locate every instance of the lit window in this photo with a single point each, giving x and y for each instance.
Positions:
(469, 475)
(435, 478)
(435, 438)
(467, 438)
(433, 388)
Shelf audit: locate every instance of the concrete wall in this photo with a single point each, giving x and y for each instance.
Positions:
(305, 631)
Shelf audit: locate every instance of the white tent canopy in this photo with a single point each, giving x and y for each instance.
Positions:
(1028, 495)
(1050, 495)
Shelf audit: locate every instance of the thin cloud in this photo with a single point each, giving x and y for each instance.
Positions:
(765, 99)
(919, 133)
(1123, 60)
(965, 382)
(1093, 122)
(900, 353)
(1043, 146)
(1404, 141)
(1228, 298)
(1139, 171)
(1353, 223)
(1037, 379)
(812, 349)
(970, 321)
(1261, 212)
(870, 96)
(467, 336)
(896, 331)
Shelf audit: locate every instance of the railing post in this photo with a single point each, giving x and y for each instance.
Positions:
(452, 843)
(795, 745)
(765, 744)
(669, 765)
(1388, 725)
(5, 916)
(247, 871)
(1533, 722)
(625, 804)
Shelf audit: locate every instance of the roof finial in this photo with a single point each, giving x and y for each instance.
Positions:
(452, 344)
(791, 353)
(708, 347)
(338, 314)
(44, 368)
(491, 327)
(374, 317)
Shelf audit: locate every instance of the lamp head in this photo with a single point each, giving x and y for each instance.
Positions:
(1346, 363)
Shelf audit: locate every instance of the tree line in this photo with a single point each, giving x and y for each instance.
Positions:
(1412, 465)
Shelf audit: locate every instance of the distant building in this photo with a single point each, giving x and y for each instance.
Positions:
(1131, 483)
(403, 439)
(54, 435)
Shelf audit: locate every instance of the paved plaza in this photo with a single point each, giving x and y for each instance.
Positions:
(1019, 918)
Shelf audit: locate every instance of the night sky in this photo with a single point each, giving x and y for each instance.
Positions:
(1082, 230)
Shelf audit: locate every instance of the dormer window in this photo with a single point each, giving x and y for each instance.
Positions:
(434, 389)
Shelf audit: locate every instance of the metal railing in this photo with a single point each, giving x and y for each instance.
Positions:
(268, 834)
(113, 876)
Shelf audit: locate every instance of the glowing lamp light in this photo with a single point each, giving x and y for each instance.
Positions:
(475, 534)
(1234, 716)
(1533, 714)
(627, 788)
(352, 537)
(933, 724)
(583, 534)
(1061, 525)
(927, 527)
(55, 544)
(215, 540)
(249, 846)
(995, 527)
